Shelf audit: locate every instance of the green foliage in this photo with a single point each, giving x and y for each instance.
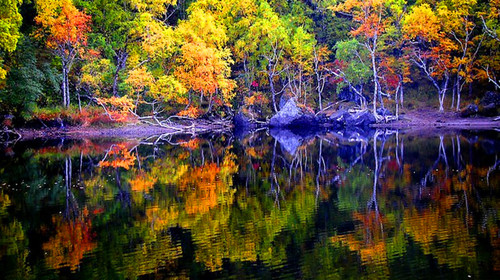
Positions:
(25, 82)
(213, 54)
(353, 59)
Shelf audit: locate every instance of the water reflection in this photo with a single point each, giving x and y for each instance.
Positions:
(283, 205)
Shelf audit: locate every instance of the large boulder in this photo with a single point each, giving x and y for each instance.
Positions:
(242, 121)
(360, 119)
(490, 104)
(306, 121)
(243, 125)
(470, 110)
(283, 100)
(338, 118)
(384, 112)
(286, 115)
(489, 98)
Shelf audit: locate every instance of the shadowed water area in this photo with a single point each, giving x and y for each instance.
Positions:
(264, 205)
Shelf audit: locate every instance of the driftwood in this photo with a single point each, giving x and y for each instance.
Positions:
(194, 126)
(9, 136)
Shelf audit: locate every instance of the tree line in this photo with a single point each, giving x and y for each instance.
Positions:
(148, 59)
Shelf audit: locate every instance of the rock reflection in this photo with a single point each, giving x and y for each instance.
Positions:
(313, 206)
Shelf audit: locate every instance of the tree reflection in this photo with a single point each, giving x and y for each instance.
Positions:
(178, 204)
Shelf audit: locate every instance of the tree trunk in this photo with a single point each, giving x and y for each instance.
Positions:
(121, 62)
(397, 104)
(375, 84)
(210, 103)
(402, 95)
(273, 93)
(65, 85)
(320, 101)
(453, 98)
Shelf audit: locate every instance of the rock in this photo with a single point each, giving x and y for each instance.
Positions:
(360, 119)
(286, 115)
(489, 110)
(283, 100)
(384, 112)
(491, 97)
(470, 110)
(242, 125)
(305, 121)
(242, 121)
(489, 106)
(339, 116)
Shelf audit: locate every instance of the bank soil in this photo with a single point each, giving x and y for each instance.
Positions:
(424, 119)
(195, 127)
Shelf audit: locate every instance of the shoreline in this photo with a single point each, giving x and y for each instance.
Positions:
(415, 121)
(426, 119)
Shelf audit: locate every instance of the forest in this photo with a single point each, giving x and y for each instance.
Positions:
(120, 61)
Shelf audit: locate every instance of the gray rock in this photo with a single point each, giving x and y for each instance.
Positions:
(286, 115)
(243, 125)
(339, 116)
(305, 121)
(242, 121)
(470, 110)
(384, 112)
(360, 119)
(491, 97)
(283, 100)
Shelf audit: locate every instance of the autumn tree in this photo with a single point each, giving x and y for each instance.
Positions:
(111, 24)
(351, 69)
(490, 60)
(321, 71)
(204, 63)
(300, 63)
(429, 48)
(459, 22)
(10, 21)
(395, 68)
(66, 29)
(265, 45)
(373, 19)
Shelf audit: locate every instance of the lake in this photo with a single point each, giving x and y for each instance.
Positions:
(273, 204)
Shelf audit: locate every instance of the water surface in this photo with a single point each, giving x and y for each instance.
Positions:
(266, 205)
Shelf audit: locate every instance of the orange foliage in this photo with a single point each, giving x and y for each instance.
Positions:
(257, 98)
(191, 112)
(69, 27)
(120, 108)
(368, 13)
(139, 79)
